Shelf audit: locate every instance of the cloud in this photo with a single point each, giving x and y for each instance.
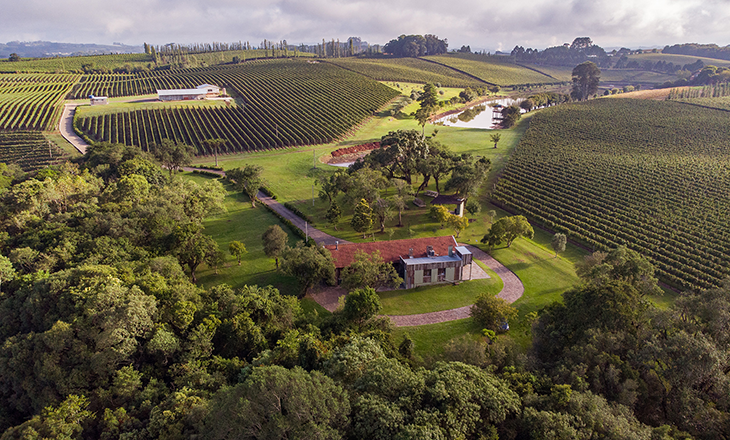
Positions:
(481, 24)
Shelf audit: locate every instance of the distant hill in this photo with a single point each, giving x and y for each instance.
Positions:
(39, 49)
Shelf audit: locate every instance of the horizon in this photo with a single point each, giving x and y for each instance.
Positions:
(488, 26)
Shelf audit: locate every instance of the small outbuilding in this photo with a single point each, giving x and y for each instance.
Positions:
(98, 100)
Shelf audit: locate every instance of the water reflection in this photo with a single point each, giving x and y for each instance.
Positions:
(485, 116)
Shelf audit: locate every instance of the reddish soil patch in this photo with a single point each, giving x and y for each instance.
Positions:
(353, 153)
(356, 149)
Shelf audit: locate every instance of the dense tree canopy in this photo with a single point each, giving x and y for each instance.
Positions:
(586, 77)
(416, 46)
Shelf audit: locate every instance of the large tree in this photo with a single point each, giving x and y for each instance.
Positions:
(507, 229)
(429, 103)
(309, 265)
(399, 154)
(362, 219)
(192, 247)
(275, 242)
(277, 403)
(248, 179)
(586, 77)
(469, 175)
(370, 271)
(173, 155)
(491, 312)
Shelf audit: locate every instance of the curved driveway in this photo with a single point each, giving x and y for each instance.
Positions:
(66, 127)
(511, 291)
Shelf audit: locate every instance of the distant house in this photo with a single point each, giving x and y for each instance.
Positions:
(419, 261)
(98, 100)
(201, 92)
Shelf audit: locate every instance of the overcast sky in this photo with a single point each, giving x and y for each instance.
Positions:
(485, 24)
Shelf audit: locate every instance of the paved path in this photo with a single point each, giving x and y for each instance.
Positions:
(318, 236)
(66, 126)
(511, 291)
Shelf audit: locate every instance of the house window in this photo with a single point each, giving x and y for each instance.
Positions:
(426, 275)
(442, 274)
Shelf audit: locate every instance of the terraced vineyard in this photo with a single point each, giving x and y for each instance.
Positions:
(29, 149)
(651, 175)
(32, 101)
(281, 103)
(492, 70)
(412, 70)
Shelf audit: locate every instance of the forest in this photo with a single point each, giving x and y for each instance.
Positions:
(104, 336)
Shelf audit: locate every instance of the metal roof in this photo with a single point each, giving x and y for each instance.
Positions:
(427, 260)
(175, 92)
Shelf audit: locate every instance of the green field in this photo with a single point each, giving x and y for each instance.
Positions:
(411, 70)
(678, 59)
(634, 76)
(281, 103)
(656, 179)
(492, 69)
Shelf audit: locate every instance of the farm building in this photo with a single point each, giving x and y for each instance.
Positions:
(98, 100)
(201, 92)
(419, 261)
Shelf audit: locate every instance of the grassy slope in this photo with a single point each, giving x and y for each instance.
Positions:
(412, 70)
(246, 224)
(492, 71)
(678, 59)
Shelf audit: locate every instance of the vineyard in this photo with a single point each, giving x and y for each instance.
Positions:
(281, 103)
(29, 149)
(654, 176)
(76, 64)
(492, 71)
(32, 101)
(411, 70)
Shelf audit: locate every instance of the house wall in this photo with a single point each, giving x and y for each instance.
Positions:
(414, 274)
(450, 272)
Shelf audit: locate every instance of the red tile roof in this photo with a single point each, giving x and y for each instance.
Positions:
(392, 250)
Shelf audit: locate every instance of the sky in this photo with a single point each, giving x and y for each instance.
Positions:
(483, 24)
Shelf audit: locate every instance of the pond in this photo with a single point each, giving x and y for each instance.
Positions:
(477, 116)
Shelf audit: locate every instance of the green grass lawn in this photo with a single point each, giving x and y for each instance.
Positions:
(117, 107)
(245, 224)
(62, 143)
(427, 299)
(430, 339)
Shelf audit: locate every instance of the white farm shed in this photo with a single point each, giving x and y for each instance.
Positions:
(201, 92)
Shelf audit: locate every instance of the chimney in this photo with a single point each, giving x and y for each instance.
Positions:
(429, 251)
(410, 253)
(337, 245)
(451, 251)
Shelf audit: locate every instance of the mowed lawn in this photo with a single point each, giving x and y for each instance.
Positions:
(545, 279)
(427, 299)
(246, 224)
